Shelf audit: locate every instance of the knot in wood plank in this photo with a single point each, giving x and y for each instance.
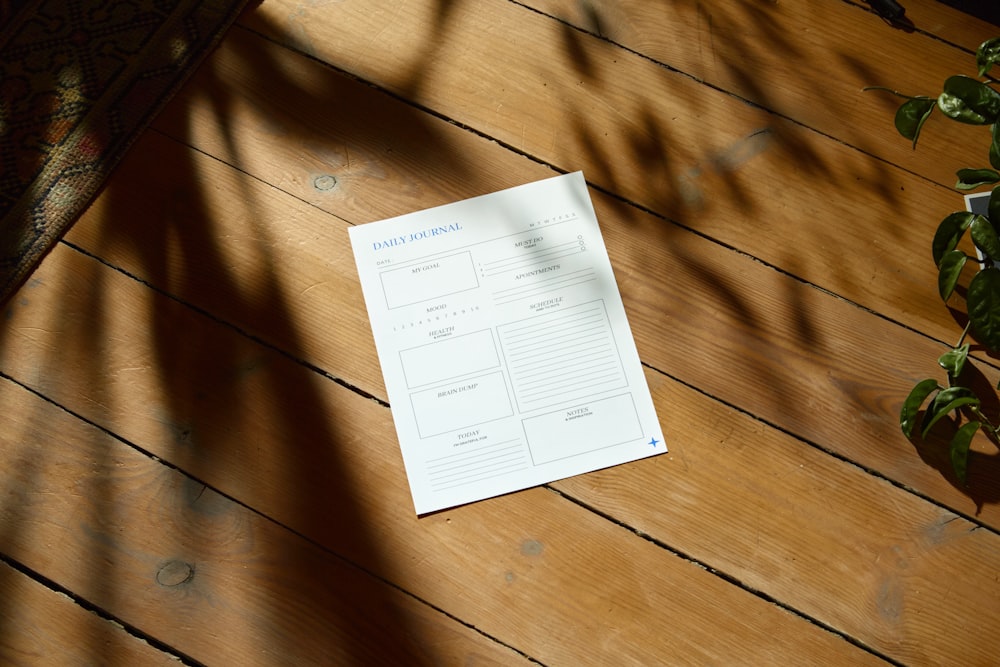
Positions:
(175, 573)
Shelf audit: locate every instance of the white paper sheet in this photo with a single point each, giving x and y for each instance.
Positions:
(978, 203)
(506, 353)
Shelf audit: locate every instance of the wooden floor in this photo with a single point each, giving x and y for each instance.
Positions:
(199, 460)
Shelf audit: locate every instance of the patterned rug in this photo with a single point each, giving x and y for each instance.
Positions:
(79, 80)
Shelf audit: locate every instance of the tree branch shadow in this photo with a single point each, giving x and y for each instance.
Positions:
(262, 355)
(241, 366)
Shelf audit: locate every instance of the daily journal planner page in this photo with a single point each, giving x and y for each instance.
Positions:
(503, 342)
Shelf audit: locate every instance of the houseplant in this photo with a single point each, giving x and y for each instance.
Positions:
(975, 102)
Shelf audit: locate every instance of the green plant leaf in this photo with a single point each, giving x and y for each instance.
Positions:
(985, 237)
(946, 396)
(949, 233)
(995, 145)
(911, 406)
(944, 403)
(954, 360)
(970, 179)
(984, 307)
(993, 209)
(911, 116)
(987, 55)
(949, 271)
(969, 101)
(958, 449)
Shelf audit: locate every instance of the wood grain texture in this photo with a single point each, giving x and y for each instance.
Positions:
(806, 543)
(39, 626)
(795, 356)
(225, 483)
(808, 62)
(941, 20)
(200, 572)
(531, 569)
(688, 152)
(861, 555)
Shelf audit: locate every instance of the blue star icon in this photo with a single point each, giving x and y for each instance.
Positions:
(653, 441)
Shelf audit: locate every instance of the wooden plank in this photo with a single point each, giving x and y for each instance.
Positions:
(800, 542)
(322, 460)
(792, 356)
(39, 626)
(854, 551)
(805, 347)
(773, 312)
(574, 93)
(196, 570)
(808, 62)
(940, 19)
(751, 180)
(719, 530)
